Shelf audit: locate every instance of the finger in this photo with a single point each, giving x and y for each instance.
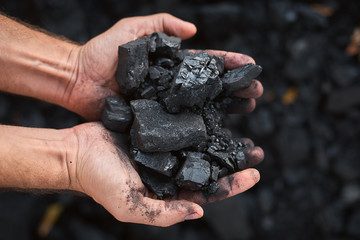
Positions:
(232, 60)
(241, 105)
(253, 156)
(247, 141)
(164, 22)
(255, 90)
(228, 186)
(163, 213)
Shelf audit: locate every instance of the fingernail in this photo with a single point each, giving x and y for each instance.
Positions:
(192, 216)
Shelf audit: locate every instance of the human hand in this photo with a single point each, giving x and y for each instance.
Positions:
(102, 170)
(94, 77)
(97, 60)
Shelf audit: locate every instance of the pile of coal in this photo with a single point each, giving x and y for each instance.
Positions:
(174, 110)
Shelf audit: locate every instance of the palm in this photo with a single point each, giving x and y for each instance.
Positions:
(105, 172)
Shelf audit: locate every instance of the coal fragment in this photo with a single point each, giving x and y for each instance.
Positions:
(117, 115)
(240, 77)
(222, 158)
(163, 163)
(215, 170)
(164, 45)
(220, 64)
(213, 187)
(240, 160)
(155, 130)
(162, 186)
(196, 81)
(133, 65)
(165, 62)
(154, 73)
(223, 172)
(194, 174)
(149, 93)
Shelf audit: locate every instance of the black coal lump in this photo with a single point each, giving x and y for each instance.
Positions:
(196, 82)
(117, 115)
(240, 77)
(162, 186)
(155, 130)
(162, 162)
(164, 45)
(133, 65)
(215, 170)
(222, 158)
(194, 173)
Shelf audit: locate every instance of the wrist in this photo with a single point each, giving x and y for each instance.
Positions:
(71, 158)
(35, 158)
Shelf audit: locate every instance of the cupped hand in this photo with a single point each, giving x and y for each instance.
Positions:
(94, 78)
(102, 169)
(97, 60)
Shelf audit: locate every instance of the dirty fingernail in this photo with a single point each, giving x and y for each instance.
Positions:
(192, 216)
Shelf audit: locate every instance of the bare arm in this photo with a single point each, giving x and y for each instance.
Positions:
(35, 158)
(35, 64)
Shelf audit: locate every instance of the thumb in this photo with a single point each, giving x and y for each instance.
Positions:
(164, 213)
(162, 22)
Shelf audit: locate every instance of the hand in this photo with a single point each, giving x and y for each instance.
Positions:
(102, 170)
(97, 60)
(248, 95)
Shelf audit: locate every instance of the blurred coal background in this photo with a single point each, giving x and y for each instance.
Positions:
(308, 121)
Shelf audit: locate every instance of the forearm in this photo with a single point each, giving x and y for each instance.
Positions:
(35, 64)
(36, 158)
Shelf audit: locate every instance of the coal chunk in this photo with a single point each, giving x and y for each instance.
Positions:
(165, 62)
(241, 77)
(149, 93)
(194, 174)
(133, 65)
(222, 158)
(117, 115)
(164, 45)
(213, 187)
(163, 163)
(215, 170)
(162, 186)
(196, 81)
(155, 130)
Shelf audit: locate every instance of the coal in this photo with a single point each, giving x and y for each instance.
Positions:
(117, 115)
(196, 81)
(163, 187)
(149, 93)
(155, 130)
(133, 65)
(241, 77)
(164, 45)
(213, 187)
(179, 109)
(222, 158)
(194, 173)
(164, 163)
(165, 62)
(215, 170)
